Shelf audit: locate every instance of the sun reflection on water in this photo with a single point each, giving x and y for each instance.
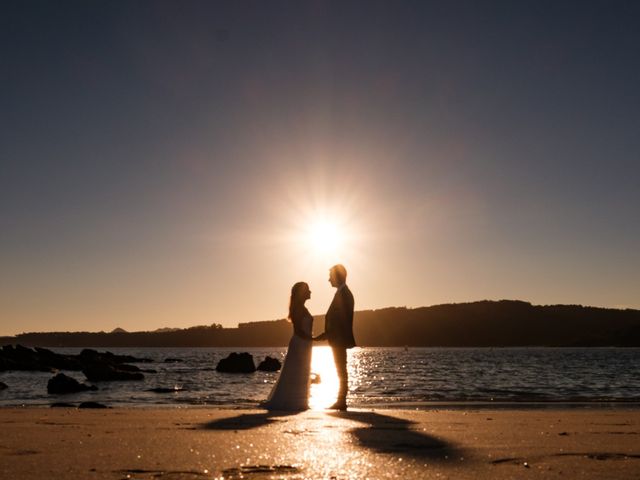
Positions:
(323, 394)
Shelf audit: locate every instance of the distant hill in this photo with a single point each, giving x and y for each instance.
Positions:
(502, 323)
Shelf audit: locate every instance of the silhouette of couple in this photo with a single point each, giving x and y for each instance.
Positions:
(291, 391)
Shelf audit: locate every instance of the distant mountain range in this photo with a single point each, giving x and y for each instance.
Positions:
(503, 323)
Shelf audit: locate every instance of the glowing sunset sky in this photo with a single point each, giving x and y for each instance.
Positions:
(164, 163)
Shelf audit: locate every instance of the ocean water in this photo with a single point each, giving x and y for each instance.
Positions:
(380, 377)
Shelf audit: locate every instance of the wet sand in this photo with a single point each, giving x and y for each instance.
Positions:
(199, 443)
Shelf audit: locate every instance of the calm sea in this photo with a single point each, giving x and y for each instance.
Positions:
(391, 377)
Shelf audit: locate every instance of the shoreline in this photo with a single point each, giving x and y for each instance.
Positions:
(403, 406)
(207, 443)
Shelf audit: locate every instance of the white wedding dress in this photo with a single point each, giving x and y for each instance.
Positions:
(291, 391)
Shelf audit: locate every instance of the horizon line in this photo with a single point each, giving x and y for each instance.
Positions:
(620, 308)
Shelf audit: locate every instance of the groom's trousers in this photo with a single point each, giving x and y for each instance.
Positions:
(340, 358)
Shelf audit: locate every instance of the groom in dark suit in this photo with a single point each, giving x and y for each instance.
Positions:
(338, 329)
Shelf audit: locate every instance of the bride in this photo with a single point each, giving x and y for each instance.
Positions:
(291, 391)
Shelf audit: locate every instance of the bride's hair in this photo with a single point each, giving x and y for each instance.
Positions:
(297, 298)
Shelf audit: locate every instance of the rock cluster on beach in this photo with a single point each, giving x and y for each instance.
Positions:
(107, 372)
(270, 364)
(237, 363)
(62, 383)
(97, 366)
(243, 363)
(42, 360)
(92, 405)
(106, 366)
(23, 358)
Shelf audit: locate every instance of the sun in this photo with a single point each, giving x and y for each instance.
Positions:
(324, 236)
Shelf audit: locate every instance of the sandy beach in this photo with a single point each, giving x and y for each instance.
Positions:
(194, 443)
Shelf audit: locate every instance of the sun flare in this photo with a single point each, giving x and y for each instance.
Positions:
(324, 236)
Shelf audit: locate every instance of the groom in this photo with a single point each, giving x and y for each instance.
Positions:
(338, 330)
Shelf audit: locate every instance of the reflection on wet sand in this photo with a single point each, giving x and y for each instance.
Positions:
(374, 431)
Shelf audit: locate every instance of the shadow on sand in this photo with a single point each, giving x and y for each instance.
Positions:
(393, 435)
(380, 433)
(247, 421)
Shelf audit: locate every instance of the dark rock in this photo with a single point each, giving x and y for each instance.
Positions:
(148, 370)
(315, 378)
(104, 372)
(173, 360)
(237, 363)
(3, 386)
(127, 368)
(56, 360)
(41, 359)
(22, 358)
(62, 405)
(63, 384)
(89, 355)
(270, 364)
(165, 390)
(20, 351)
(92, 405)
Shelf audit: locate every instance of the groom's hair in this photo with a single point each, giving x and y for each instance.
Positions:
(340, 272)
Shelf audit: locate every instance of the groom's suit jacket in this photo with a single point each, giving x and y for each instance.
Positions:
(339, 319)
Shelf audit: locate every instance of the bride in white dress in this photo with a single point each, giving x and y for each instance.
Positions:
(291, 391)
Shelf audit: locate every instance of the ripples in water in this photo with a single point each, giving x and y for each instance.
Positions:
(378, 376)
